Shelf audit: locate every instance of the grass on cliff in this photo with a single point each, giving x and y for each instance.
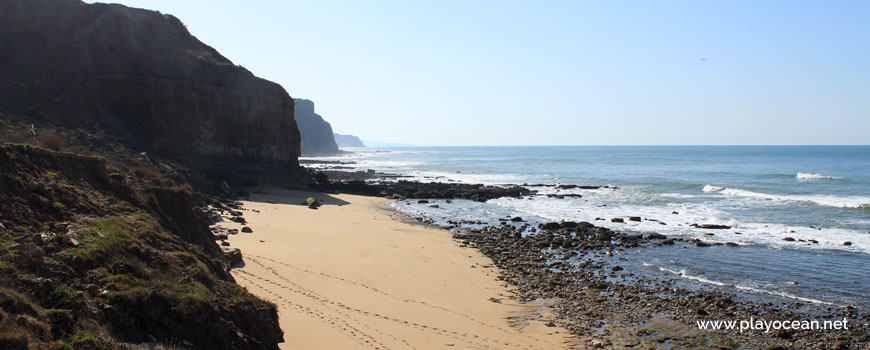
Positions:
(111, 252)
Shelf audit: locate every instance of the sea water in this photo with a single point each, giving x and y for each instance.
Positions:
(792, 209)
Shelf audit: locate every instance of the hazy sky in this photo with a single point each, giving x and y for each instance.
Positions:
(558, 73)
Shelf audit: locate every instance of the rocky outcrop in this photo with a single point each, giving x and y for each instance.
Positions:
(316, 133)
(348, 141)
(115, 255)
(141, 75)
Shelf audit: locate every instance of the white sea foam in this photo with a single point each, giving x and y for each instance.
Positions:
(677, 195)
(682, 273)
(808, 176)
(826, 200)
(751, 233)
(712, 189)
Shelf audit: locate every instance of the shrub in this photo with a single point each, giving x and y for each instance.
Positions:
(14, 338)
(187, 298)
(64, 297)
(12, 301)
(52, 141)
(86, 341)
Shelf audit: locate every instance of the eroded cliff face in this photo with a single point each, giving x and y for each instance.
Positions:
(141, 74)
(317, 137)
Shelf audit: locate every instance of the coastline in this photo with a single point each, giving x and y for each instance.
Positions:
(578, 267)
(353, 274)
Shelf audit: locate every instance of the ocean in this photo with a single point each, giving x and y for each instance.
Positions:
(800, 214)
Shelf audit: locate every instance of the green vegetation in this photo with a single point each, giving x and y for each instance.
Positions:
(187, 298)
(206, 56)
(64, 297)
(83, 340)
(12, 301)
(111, 252)
(110, 238)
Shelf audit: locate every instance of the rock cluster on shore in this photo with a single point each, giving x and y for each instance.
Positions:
(403, 189)
(606, 308)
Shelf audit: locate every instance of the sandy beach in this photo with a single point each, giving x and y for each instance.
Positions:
(354, 275)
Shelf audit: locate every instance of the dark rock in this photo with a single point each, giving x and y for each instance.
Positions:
(847, 243)
(233, 255)
(731, 244)
(312, 203)
(140, 74)
(436, 206)
(667, 242)
(247, 229)
(788, 239)
(429, 190)
(702, 244)
(841, 345)
(782, 334)
(516, 219)
(617, 268)
(422, 201)
(617, 220)
(652, 236)
(712, 226)
(225, 244)
(634, 218)
(43, 237)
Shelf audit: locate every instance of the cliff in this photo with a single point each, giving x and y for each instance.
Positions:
(348, 141)
(112, 253)
(140, 74)
(316, 133)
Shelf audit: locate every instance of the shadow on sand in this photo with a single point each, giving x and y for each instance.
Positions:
(290, 197)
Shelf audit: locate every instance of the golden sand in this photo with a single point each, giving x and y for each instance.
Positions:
(355, 275)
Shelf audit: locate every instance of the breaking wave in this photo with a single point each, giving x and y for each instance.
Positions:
(825, 200)
(682, 273)
(808, 176)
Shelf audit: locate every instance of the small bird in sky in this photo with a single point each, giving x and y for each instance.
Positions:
(703, 59)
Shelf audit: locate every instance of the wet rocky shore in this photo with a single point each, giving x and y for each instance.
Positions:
(572, 267)
(571, 263)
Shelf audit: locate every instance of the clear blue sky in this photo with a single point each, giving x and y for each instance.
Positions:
(558, 72)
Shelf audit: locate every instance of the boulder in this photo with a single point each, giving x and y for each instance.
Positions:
(312, 203)
(44, 237)
(233, 255)
(656, 236)
(634, 218)
(617, 220)
(247, 229)
(712, 226)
